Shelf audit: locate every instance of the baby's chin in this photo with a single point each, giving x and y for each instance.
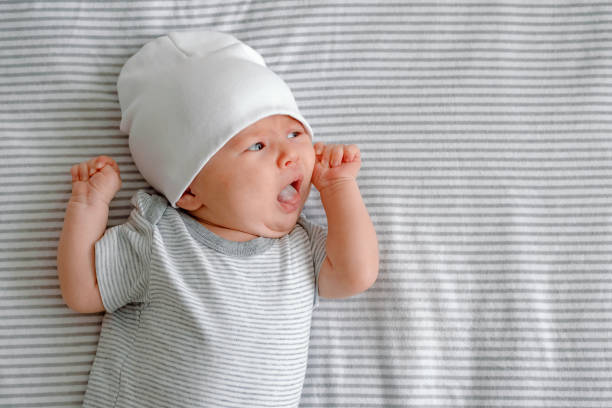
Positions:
(277, 228)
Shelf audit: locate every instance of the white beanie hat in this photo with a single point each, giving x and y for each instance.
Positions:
(184, 95)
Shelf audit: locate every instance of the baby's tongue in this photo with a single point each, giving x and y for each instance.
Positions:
(288, 194)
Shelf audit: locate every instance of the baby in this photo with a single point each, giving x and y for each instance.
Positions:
(209, 287)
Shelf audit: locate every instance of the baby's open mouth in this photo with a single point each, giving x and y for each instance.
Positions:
(291, 193)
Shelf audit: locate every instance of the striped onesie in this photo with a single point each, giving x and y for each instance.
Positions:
(195, 320)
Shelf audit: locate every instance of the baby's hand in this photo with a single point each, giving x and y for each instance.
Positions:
(94, 181)
(335, 163)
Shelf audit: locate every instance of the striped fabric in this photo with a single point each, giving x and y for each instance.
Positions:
(485, 130)
(198, 321)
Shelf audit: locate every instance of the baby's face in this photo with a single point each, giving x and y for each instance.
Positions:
(238, 192)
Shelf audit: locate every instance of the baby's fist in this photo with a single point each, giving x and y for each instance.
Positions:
(95, 180)
(335, 163)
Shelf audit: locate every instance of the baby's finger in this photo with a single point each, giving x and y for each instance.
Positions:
(114, 165)
(336, 155)
(74, 172)
(83, 171)
(94, 164)
(326, 155)
(102, 161)
(351, 152)
(318, 148)
(91, 166)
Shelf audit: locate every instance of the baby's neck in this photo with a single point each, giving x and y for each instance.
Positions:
(227, 233)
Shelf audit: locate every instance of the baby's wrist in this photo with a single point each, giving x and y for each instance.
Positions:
(81, 201)
(337, 186)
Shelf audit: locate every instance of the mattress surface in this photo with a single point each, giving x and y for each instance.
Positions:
(485, 131)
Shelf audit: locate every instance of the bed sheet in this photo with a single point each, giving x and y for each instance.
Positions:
(485, 130)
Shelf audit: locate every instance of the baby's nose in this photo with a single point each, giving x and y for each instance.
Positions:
(287, 158)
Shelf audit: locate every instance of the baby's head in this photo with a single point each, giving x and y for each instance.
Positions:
(217, 132)
(258, 181)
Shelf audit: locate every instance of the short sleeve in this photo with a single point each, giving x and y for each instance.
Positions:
(317, 236)
(123, 255)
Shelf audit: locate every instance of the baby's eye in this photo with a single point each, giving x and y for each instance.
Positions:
(256, 146)
(293, 133)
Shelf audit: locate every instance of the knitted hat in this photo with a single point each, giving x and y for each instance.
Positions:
(184, 95)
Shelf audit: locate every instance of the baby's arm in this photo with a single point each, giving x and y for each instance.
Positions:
(351, 264)
(94, 184)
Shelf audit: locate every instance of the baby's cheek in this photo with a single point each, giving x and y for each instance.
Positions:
(225, 180)
(310, 161)
(252, 185)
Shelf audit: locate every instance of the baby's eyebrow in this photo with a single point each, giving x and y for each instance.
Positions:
(298, 125)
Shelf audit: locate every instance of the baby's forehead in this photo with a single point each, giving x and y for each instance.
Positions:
(275, 122)
(268, 125)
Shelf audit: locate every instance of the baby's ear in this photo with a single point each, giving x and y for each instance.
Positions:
(188, 201)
